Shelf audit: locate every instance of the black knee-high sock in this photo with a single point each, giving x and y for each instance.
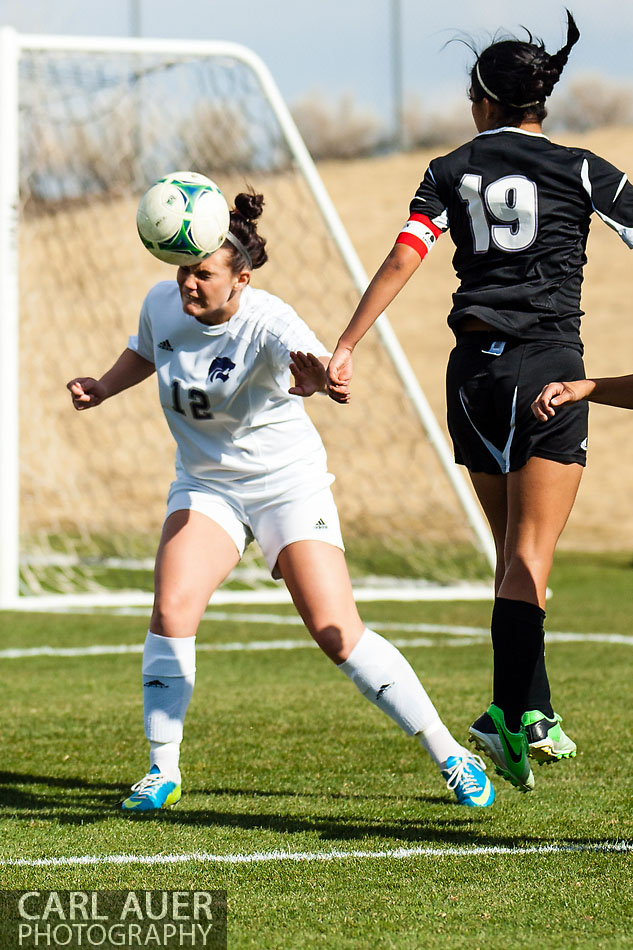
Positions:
(517, 642)
(539, 695)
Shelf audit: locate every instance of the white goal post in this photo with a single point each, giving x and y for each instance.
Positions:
(86, 124)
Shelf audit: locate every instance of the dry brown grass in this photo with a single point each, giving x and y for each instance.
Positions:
(77, 310)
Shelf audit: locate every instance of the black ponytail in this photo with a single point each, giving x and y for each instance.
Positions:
(519, 75)
(559, 60)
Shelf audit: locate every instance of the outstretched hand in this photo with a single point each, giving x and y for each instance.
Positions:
(309, 374)
(551, 397)
(86, 392)
(339, 375)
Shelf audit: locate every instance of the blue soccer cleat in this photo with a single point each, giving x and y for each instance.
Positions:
(466, 776)
(154, 791)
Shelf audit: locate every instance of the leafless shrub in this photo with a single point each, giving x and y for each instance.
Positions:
(337, 129)
(215, 137)
(591, 102)
(425, 128)
(85, 158)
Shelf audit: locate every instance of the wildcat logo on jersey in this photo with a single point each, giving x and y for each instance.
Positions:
(220, 368)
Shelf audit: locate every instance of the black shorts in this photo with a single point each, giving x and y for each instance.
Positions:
(491, 382)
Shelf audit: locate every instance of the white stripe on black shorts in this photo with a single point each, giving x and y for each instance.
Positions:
(491, 382)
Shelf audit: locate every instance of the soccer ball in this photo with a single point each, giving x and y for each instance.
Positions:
(182, 218)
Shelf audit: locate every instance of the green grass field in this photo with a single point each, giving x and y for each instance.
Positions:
(283, 755)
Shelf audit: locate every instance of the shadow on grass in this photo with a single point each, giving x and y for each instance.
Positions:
(228, 790)
(77, 801)
(9, 779)
(66, 800)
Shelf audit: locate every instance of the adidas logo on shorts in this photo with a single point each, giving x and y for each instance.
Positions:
(320, 523)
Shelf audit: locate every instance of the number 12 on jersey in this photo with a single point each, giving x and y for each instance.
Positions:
(506, 213)
(197, 398)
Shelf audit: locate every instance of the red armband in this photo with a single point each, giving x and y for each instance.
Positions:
(419, 233)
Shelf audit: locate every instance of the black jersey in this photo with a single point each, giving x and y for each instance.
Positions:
(518, 209)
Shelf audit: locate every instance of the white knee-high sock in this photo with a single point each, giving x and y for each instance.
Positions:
(169, 668)
(386, 679)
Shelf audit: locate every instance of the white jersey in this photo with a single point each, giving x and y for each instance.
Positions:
(224, 389)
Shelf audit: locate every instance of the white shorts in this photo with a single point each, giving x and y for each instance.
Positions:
(274, 520)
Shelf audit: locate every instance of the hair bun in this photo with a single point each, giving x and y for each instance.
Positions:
(249, 205)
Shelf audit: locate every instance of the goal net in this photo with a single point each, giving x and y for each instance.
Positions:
(84, 493)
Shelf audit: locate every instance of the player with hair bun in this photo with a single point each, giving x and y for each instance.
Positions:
(250, 464)
(518, 209)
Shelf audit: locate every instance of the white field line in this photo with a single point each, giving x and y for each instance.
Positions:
(261, 857)
(462, 636)
(251, 647)
(130, 602)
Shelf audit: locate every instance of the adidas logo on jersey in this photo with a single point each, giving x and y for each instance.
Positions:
(166, 345)
(320, 523)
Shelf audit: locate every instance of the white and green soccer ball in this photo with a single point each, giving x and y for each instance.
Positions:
(182, 218)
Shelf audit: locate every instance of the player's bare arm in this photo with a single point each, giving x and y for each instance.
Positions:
(609, 391)
(613, 391)
(399, 265)
(129, 370)
(308, 371)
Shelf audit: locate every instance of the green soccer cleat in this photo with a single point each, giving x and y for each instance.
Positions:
(546, 740)
(154, 791)
(508, 750)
